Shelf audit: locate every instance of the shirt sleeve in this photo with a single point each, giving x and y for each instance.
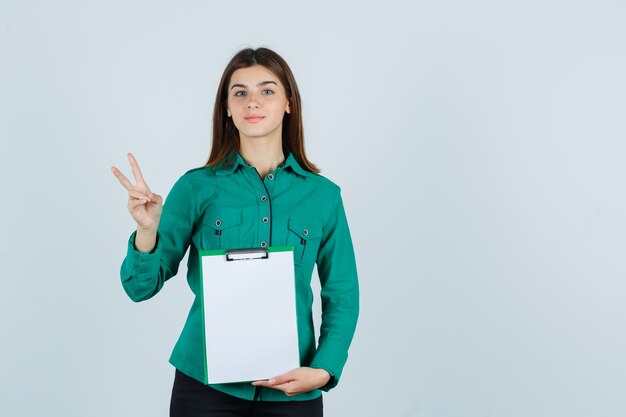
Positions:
(143, 274)
(336, 268)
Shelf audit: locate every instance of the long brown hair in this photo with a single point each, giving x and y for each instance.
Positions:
(225, 134)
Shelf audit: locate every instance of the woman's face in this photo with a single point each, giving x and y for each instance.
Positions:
(257, 103)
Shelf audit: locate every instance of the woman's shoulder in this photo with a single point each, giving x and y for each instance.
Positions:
(195, 180)
(198, 174)
(320, 181)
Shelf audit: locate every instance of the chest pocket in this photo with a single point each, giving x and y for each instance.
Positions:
(305, 236)
(221, 229)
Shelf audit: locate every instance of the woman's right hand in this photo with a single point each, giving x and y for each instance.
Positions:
(144, 206)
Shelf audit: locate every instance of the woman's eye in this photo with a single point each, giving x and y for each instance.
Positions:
(240, 93)
(267, 91)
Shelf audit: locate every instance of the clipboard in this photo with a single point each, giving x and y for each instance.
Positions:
(248, 313)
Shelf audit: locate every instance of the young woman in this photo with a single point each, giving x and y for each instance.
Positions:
(257, 189)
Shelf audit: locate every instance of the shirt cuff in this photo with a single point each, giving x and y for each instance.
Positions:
(331, 356)
(142, 264)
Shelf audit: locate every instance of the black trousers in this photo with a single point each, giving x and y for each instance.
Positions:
(191, 398)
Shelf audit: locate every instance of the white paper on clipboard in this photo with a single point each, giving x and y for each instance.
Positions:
(249, 312)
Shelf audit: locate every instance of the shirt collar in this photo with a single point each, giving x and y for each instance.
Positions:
(290, 161)
(225, 169)
(294, 165)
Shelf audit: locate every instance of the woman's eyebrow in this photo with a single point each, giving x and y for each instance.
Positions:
(261, 84)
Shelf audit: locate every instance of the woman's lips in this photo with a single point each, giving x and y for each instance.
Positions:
(254, 118)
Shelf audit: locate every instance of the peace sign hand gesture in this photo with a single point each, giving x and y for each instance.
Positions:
(144, 206)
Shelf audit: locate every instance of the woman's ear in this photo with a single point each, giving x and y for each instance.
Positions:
(288, 110)
(228, 113)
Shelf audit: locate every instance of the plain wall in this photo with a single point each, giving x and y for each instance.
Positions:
(480, 146)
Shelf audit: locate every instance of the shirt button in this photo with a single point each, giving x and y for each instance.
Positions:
(264, 198)
(270, 176)
(265, 220)
(218, 222)
(263, 244)
(305, 232)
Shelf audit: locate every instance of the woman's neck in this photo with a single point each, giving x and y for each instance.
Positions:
(263, 154)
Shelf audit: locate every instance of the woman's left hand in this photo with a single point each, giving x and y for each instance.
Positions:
(297, 381)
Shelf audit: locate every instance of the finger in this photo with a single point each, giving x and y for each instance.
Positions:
(133, 204)
(156, 199)
(122, 179)
(290, 388)
(272, 382)
(266, 384)
(281, 379)
(139, 195)
(136, 170)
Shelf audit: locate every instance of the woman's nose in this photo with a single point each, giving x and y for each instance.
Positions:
(253, 103)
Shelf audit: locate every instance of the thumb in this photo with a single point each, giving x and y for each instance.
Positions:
(156, 198)
(281, 379)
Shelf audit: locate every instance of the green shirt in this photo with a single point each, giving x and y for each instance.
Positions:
(231, 207)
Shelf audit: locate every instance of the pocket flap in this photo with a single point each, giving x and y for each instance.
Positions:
(222, 219)
(304, 228)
